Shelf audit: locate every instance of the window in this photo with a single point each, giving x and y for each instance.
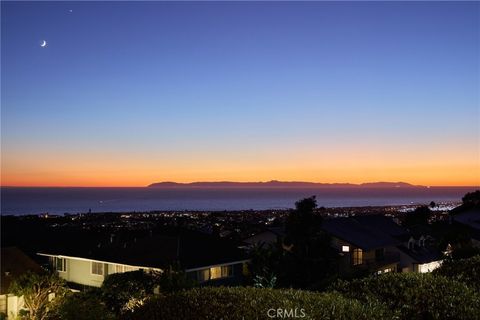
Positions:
(119, 268)
(345, 248)
(215, 272)
(61, 264)
(357, 256)
(227, 271)
(203, 275)
(97, 268)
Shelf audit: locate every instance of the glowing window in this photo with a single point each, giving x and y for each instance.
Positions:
(119, 268)
(215, 272)
(345, 248)
(357, 256)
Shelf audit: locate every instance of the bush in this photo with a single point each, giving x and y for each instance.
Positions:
(122, 291)
(254, 303)
(81, 306)
(416, 296)
(464, 270)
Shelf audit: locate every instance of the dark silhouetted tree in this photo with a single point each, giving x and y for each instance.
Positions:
(472, 198)
(419, 216)
(311, 261)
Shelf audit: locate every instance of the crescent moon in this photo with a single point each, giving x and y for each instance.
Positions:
(44, 44)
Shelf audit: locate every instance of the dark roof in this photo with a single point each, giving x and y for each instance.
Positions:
(191, 249)
(470, 218)
(366, 232)
(422, 254)
(14, 263)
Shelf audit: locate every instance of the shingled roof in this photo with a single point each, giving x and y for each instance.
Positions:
(14, 263)
(366, 232)
(189, 248)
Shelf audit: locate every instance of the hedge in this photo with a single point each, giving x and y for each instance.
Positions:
(256, 303)
(464, 270)
(416, 296)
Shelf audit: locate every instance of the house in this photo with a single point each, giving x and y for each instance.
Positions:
(377, 244)
(418, 251)
(366, 242)
(268, 236)
(14, 263)
(204, 258)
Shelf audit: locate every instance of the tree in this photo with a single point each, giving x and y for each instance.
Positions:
(472, 198)
(121, 291)
(36, 290)
(419, 216)
(311, 261)
(264, 265)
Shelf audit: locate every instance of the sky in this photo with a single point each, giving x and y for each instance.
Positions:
(126, 94)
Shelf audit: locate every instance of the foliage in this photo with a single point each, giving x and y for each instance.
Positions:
(472, 198)
(464, 270)
(36, 289)
(119, 289)
(174, 278)
(85, 305)
(464, 251)
(264, 263)
(311, 262)
(416, 296)
(266, 281)
(419, 216)
(253, 303)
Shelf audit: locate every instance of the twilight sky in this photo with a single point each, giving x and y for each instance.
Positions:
(125, 94)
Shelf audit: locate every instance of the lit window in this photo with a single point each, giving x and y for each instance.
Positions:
(61, 264)
(215, 272)
(429, 267)
(97, 268)
(357, 256)
(119, 268)
(345, 248)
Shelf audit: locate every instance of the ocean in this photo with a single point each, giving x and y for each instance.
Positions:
(21, 201)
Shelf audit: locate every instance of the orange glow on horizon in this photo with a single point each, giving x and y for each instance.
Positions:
(459, 166)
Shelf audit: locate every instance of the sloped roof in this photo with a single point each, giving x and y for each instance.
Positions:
(14, 263)
(191, 249)
(470, 218)
(366, 232)
(423, 254)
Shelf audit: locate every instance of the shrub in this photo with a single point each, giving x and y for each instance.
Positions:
(121, 291)
(85, 305)
(255, 303)
(464, 270)
(416, 296)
